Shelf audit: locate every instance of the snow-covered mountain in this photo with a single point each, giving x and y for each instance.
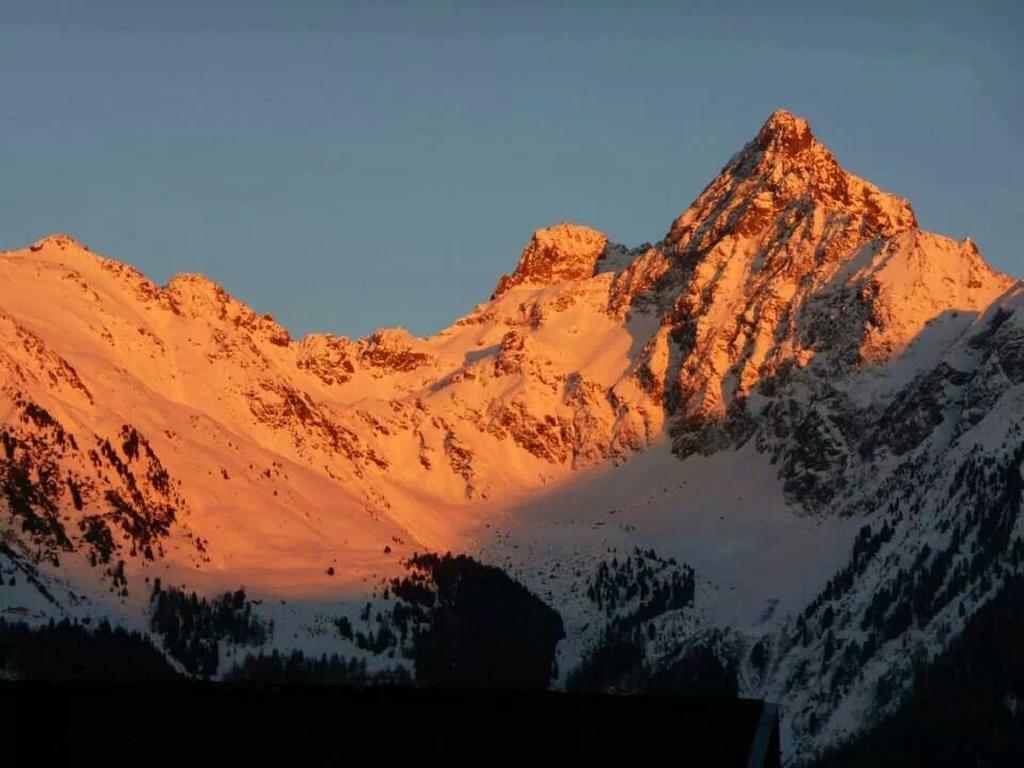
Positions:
(788, 435)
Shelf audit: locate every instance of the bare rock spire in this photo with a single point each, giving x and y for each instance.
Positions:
(563, 252)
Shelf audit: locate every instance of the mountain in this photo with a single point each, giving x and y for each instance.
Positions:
(776, 453)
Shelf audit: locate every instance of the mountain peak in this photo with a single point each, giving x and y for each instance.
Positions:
(565, 251)
(851, 383)
(59, 240)
(785, 172)
(785, 133)
(59, 248)
(196, 284)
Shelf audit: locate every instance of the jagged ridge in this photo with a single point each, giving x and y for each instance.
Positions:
(794, 337)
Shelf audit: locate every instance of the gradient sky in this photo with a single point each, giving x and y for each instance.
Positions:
(346, 166)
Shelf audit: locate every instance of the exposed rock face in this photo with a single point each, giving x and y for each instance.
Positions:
(786, 273)
(330, 358)
(814, 360)
(789, 267)
(562, 252)
(634, 284)
(392, 351)
(776, 182)
(125, 501)
(768, 233)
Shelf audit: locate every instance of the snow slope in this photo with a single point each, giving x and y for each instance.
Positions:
(776, 395)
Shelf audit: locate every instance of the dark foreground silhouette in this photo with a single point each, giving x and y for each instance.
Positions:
(201, 723)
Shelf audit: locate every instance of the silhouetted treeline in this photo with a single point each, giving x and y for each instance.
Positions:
(634, 592)
(699, 672)
(608, 667)
(66, 651)
(192, 626)
(483, 628)
(658, 584)
(297, 668)
(617, 665)
(966, 707)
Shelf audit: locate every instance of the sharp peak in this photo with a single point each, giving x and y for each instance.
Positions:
(786, 134)
(783, 116)
(785, 166)
(785, 146)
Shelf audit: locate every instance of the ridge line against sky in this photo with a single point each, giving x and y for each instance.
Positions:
(346, 166)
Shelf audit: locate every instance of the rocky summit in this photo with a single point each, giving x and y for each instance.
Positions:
(774, 454)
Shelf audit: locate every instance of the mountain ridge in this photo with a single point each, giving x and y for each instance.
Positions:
(794, 363)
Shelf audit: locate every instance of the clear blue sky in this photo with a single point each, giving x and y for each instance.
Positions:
(350, 165)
